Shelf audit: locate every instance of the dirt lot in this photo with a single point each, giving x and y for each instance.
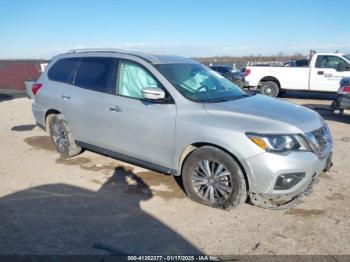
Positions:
(92, 204)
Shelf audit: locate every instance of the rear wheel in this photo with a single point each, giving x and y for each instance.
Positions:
(270, 88)
(212, 177)
(62, 137)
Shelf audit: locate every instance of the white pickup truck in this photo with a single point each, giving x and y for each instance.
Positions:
(323, 74)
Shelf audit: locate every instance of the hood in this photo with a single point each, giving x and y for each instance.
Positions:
(264, 114)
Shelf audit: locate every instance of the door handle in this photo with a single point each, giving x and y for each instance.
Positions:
(65, 97)
(115, 109)
(320, 72)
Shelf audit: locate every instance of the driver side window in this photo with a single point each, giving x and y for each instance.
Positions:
(327, 61)
(132, 78)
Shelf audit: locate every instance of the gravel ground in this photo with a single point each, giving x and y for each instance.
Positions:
(93, 204)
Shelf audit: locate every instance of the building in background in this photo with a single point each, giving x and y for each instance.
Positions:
(13, 73)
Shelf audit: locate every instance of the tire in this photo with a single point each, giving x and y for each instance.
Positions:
(233, 178)
(270, 88)
(62, 137)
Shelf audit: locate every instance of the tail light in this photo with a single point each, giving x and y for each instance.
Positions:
(247, 72)
(344, 89)
(36, 87)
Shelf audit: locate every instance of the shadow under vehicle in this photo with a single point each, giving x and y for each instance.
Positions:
(59, 219)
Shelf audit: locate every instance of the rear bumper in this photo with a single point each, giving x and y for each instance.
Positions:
(251, 83)
(342, 102)
(38, 114)
(28, 86)
(239, 82)
(245, 84)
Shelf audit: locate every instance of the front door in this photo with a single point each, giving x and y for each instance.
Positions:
(135, 127)
(327, 73)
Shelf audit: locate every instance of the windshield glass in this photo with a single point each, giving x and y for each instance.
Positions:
(347, 57)
(199, 83)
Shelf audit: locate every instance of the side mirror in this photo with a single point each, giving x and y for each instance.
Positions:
(153, 93)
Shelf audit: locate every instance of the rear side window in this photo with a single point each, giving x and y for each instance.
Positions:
(63, 70)
(94, 73)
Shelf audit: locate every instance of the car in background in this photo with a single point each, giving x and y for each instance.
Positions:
(235, 76)
(342, 100)
(297, 63)
(323, 74)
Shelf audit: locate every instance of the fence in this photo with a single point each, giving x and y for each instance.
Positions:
(13, 73)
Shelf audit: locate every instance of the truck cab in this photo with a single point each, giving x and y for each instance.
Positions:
(323, 74)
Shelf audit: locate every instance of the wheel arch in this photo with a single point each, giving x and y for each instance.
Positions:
(271, 78)
(47, 114)
(190, 148)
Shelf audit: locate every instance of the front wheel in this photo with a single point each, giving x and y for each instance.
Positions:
(212, 177)
(269, 88)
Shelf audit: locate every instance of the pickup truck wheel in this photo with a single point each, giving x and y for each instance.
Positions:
(62, 137)
(212, 177)
(269, 88)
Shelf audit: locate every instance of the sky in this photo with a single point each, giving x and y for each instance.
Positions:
(192, 28)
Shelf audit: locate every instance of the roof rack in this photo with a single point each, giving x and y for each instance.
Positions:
(81, 50)
(112, 50)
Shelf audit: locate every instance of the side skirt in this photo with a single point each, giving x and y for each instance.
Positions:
(128, 159)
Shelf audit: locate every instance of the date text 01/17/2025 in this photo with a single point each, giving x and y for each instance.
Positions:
(172, 258)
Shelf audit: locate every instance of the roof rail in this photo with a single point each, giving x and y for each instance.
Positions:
(81, 50)
(112, 50)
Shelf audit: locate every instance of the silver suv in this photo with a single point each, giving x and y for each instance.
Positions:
(176, 116)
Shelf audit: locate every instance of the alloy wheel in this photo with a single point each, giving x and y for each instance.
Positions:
(212, 181)
(59, 136)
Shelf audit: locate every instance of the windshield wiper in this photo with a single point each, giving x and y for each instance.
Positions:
(223, 99)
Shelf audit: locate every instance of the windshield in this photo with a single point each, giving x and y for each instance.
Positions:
(199, 83)
(347, 57)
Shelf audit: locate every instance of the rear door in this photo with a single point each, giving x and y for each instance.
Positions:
(135, 127)
(326, 74)
(60, 75)
(83, 101)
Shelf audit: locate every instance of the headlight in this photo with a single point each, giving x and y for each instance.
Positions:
(279, 143)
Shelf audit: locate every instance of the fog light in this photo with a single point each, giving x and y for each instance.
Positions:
(287, 181)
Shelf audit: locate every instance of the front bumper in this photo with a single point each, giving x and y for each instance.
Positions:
(282, 201)
(38, 114)
(265, 168)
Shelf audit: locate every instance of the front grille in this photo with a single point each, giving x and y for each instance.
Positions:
(320, 141)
